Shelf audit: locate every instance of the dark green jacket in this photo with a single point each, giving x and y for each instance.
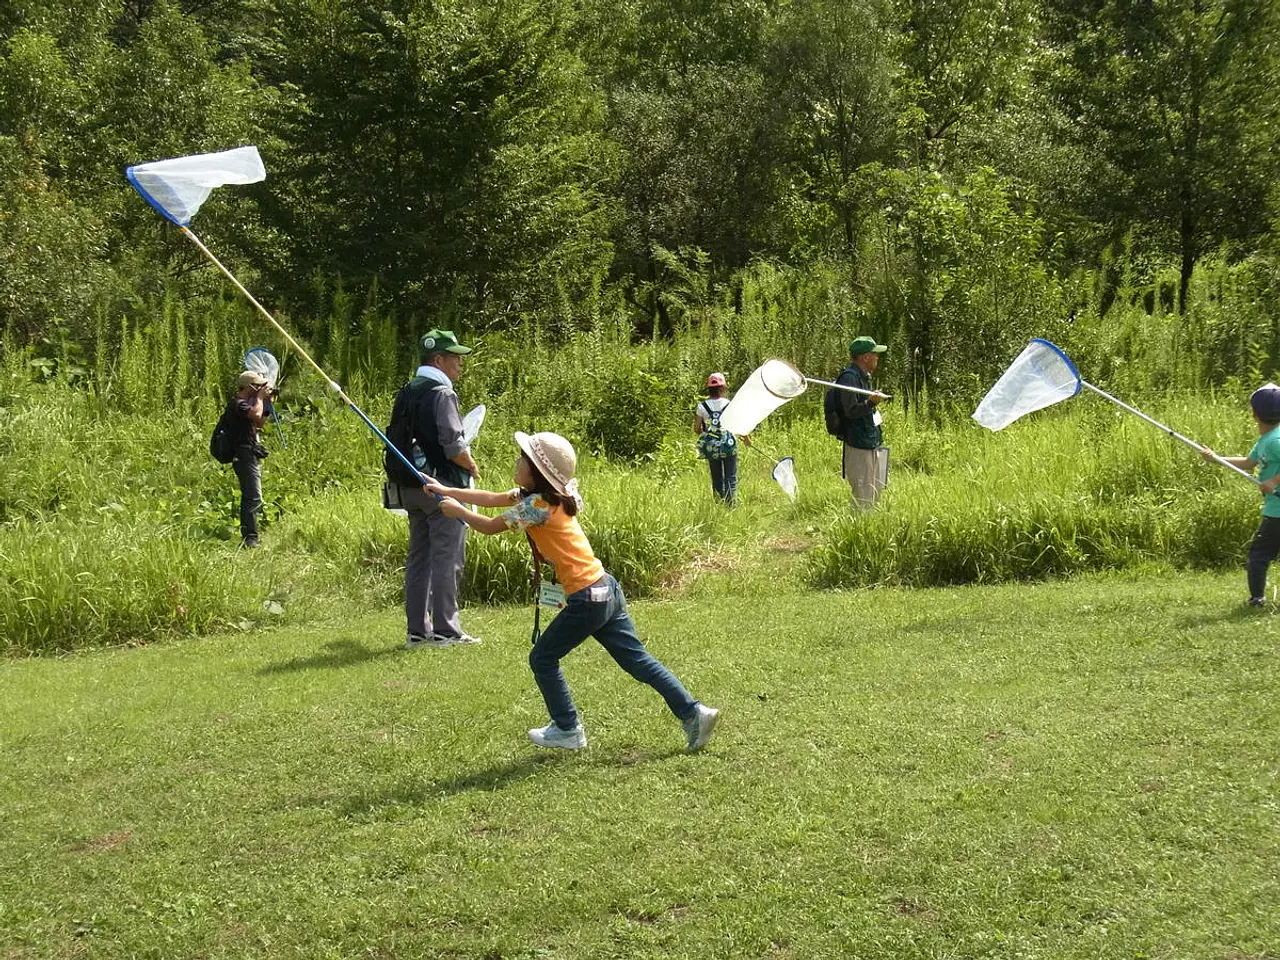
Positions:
(860, 429)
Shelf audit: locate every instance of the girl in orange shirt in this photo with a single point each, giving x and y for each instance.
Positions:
(545, 504)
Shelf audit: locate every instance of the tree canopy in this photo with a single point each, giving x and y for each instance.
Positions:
(488, 163)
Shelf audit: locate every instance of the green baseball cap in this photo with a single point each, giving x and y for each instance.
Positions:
(439, 341)
(863, 345)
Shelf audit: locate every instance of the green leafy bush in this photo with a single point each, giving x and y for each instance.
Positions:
(629, 414)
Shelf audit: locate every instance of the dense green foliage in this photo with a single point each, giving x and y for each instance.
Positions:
(949, 176)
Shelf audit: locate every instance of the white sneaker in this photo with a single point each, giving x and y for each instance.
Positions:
(553, 736)
(416, 640)
(699, 727)
(459, 640)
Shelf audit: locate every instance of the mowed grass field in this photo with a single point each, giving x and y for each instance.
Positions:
(1082, 769)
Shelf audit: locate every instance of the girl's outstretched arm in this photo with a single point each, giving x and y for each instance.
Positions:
(477, 521)
(481, 498)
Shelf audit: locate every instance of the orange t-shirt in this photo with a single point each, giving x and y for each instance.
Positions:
(559, 538)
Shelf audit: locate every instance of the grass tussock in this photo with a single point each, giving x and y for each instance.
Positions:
(1077, 490)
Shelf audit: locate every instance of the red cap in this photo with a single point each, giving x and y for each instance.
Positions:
(716, 380)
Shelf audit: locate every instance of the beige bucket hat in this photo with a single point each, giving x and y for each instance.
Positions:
(555, 459)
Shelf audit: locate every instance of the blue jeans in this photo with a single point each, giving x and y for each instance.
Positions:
(724, 478)
(599, 611)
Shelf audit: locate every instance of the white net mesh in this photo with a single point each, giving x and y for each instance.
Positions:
(782, 379)
(784, 472)
(472, 422)
(261, 361)
(770, 385)
(177, 188)
(1041, 375)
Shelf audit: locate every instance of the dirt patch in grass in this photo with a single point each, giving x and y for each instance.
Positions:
(108, 841)
(788, 544)
(701, 562)
(914, 908)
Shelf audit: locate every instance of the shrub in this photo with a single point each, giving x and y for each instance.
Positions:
(629, 413)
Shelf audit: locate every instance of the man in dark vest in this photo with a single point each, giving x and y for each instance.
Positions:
(866, 459)
(427, 426)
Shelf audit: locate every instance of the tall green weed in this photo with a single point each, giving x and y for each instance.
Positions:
(107, 468)
(66, 586)
(1064, 491)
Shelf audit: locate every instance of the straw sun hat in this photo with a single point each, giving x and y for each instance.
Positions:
(553, 455)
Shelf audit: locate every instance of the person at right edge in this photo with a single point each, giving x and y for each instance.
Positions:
(864, 450)
(427, 427)
(1265, 404)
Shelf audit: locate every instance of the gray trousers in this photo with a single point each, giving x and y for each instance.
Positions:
(433, 568)
(867, 472)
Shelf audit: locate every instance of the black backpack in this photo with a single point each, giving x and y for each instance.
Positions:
(222, 446)
(833, 412)
(399, 433)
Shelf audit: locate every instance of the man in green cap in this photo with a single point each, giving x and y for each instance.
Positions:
(866, 460)
(426, 427)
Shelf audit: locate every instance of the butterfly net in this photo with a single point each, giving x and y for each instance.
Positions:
(1041, 375)
(784, 472)
(472, 422)
(261, 361)
(770, 385)
(177, 188)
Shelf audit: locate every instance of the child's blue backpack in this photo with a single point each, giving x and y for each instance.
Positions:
(715, 442)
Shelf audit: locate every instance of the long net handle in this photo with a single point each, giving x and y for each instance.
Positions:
(845, 386)
(275, 418)
(297, 346)
(263, 310)
(1170, 431)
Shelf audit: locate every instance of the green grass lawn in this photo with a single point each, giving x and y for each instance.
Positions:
(1083, 769)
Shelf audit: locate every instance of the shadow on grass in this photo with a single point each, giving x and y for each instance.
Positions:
(1236, 614)
(421, 793)
(332, 656)
(487, 780)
